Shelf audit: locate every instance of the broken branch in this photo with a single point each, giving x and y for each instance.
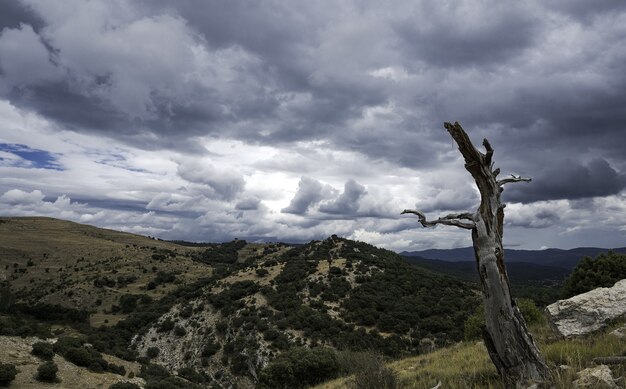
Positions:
(453, 219)
(514, 178)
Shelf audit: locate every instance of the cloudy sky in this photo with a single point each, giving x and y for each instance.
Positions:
(294, 120)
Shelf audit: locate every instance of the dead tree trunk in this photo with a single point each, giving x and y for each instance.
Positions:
(510, 345)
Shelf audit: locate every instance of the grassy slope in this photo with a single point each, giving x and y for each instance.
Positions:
(56, 262)
(467, 364)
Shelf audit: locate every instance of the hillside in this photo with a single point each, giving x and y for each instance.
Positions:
(77, 266)
(216, 314)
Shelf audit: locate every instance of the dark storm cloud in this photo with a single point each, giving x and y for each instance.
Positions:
(14, 13)
(456, 38)
(568, 179)
(348, 201)
(530, 76)
(585, 10)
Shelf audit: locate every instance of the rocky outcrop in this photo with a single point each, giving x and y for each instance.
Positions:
(588, 312)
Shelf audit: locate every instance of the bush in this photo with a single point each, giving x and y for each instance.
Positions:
(86, 357)
(116, 369)
(124, 385)
(179, 331)
(152, 352)
(166, 325)
(47, 372)
(529, 310)
(128, 302)
(473, 326)
(43, 350)
(299, 368)
(7, 373)
(210, 348)
(373, 374)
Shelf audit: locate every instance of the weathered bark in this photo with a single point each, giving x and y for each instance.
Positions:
(510, 345)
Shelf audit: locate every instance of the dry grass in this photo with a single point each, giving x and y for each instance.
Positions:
(579, 353)
(467, 365)
(56, 262)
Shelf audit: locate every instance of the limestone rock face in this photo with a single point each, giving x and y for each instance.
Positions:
(596, 377)
(588, 312)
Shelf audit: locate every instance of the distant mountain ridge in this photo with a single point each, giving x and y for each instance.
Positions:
(566, 259)
(519, 272)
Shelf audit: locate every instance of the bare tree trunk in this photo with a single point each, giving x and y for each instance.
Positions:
(510, 345)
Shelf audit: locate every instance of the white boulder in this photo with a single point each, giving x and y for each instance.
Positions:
(588, 312)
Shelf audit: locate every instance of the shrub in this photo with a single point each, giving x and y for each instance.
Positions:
(529, 310)
(299, 368)
(373, 374)
(179, 331)
(47, 372)
(128, 302)
(116, 369)
(124, 385)
(210, 348)
(7, 373)
(473, 326)
(166, 325)
(63, 344)
(186, 312)
(152, 352)
(43, 350)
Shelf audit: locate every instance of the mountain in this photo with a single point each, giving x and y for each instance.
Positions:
(519, 272)
(214, 315)
(549, 257)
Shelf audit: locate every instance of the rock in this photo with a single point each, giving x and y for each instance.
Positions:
(615, 360)
(619, 333)
(588, 312)
(598, 377)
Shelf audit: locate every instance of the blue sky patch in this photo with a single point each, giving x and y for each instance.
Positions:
(38, 159)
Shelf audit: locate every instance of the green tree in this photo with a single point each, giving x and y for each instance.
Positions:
(7, 373)
(47, 372)
(43, 350)
(603, 271)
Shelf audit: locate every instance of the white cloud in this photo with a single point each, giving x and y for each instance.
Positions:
(20, 197)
